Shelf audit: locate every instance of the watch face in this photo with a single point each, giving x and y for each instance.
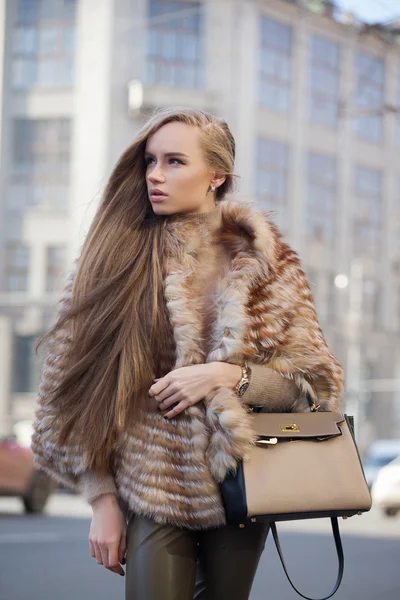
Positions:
(243, 388)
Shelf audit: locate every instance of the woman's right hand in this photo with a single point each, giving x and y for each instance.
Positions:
(107, 537)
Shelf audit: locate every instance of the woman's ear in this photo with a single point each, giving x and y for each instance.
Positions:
(217, 180)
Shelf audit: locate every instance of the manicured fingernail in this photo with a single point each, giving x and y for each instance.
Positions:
(123, 561)
(122, 574)
(165, 417)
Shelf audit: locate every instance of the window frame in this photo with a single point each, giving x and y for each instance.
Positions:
(168, 63)
(324, 95)
(276, 82)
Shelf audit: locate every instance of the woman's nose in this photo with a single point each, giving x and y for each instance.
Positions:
(156, 174)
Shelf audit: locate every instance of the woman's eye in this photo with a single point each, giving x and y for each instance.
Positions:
(176, 161)
(148, 160)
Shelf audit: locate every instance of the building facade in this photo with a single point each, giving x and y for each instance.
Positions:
(312, 98)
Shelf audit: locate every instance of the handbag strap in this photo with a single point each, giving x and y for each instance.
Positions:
(340, 555)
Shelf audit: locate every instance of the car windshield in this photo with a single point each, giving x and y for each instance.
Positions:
(379, 461)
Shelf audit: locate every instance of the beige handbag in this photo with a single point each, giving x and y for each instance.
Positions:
(302, 466)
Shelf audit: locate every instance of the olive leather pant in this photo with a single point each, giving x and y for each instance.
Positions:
(164, 562)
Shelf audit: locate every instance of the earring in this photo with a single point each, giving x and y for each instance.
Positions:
(213, 188)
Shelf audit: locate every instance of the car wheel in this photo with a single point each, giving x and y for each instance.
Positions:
(390, 512)
(38, 493)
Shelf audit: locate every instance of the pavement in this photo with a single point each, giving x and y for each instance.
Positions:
(46, 557)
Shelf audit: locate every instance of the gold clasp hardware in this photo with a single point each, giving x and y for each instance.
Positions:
(291, 427)
(269, 442)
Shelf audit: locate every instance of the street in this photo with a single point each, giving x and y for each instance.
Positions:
(47, 558)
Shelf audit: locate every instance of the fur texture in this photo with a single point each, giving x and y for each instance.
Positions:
(243, 296)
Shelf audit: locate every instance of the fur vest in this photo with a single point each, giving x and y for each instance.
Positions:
(260, 308)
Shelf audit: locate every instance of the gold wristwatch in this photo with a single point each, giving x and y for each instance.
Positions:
(244, 382)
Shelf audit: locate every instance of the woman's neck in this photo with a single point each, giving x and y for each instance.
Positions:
(211, 217)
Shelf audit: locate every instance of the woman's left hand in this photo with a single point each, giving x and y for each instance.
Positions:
(187, 386)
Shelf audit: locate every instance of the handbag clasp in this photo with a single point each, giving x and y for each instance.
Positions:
(266, 442)
(291, 427)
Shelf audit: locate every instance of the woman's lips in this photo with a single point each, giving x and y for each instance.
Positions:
(157, 196)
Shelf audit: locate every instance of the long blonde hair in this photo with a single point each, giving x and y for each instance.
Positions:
(120, 333)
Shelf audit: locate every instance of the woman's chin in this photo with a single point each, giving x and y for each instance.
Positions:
(160, 208)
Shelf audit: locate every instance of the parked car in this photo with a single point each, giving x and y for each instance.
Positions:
(18, 476)
(380, 454)
(386, 488)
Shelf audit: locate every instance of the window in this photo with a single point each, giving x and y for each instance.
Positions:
(40, 163)
(55, 261)
(369, 97)
(367, 211)
(17, 268)
(324, 81)
(275, 64)
(271, 178)
(26, 365)
(43, 50)
(31, 11)
(321, 197)
(175, 48)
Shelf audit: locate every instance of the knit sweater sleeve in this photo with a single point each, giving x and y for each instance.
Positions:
(93, 484)
(269, 388)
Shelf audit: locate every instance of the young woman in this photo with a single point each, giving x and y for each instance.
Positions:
(183, 310)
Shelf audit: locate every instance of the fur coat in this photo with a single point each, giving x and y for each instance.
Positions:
(258, 307)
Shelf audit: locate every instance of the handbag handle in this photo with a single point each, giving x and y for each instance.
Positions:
(340, 555)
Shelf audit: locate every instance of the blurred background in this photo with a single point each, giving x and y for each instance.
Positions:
(311, 91)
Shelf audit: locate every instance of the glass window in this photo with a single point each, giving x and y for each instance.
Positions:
(320, 211)
(23, 72)
(17, 267)
(271, 178)
(44, 44)
(25, 40)
(275, 64)
(26, 365)
(369, 97)
(32, 11)
(367, 211)
(41, 163)
(49, 40)
(324, 81)
(174, 44)
(47, 72)
(28, 11)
